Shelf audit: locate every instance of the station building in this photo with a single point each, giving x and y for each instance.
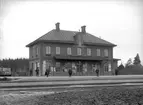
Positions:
(62, 49)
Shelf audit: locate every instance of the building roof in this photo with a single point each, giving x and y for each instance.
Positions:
(65, 36)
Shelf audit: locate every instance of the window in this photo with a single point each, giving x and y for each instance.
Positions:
(57, 50)
(88, 51)
(37, 51)
(31, 52)
(106, 52)
(58, 64)
(78, 51)
(48, 50)
(69, 51)
(98, 52)
(107, 67)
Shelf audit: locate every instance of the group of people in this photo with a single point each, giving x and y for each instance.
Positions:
(37, 72)
(47, 72)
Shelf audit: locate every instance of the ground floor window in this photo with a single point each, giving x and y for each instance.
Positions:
(95, 66)
(58, 65)
(85, 67)
(107, 67)
(74, 67)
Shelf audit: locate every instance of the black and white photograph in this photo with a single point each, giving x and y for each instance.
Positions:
(71, 52)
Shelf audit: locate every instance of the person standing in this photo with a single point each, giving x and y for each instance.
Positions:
(70, 72)
(30, 72)
(97, 72)
(37, 71)
(47, 72)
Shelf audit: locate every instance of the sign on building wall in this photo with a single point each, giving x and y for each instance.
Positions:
(109, 66)
(34, 66)
(38, 64)
(74, 68)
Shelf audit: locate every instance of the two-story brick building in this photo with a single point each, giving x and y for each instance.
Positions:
(61, 49)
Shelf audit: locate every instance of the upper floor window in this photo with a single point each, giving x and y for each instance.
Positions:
(31, 52)
(57, 50)
(88, 51)
(106, 52)
(37, 51)
(98, 52)
(48, 50)
(69, 51)
(78, 51)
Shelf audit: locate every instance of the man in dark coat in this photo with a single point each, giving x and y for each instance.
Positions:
(70, 72)
(116, 71)
(97, 72)
(47, 72)
(37, 71)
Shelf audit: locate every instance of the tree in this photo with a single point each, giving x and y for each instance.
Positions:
(129, 63)
(121, 67)
(137, 60)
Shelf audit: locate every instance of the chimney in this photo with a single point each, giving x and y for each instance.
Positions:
(83, 30)
(57, 26)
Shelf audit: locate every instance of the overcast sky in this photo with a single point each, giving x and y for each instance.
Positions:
(117, 21)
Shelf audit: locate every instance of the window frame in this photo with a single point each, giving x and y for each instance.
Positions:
(88, 52)
(79, 51)
(69, 51)
(36, 51)
(58, 66)
(98, 52)
(58, 50)
(48, 50)
(106, 52)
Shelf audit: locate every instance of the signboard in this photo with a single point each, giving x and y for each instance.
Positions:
(5, 71)
(109, 66)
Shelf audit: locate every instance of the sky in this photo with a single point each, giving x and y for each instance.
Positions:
(117, 21)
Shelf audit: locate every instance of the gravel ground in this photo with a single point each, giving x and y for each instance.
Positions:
(131, 95)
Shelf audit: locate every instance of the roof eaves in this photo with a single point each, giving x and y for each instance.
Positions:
(32, 43)
(58, 41)
(116, 59)
(100, 44)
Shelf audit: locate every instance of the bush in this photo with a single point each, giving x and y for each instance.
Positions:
(133, 70)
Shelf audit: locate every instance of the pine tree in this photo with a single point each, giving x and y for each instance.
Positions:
(129, 63)
(137, 60)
